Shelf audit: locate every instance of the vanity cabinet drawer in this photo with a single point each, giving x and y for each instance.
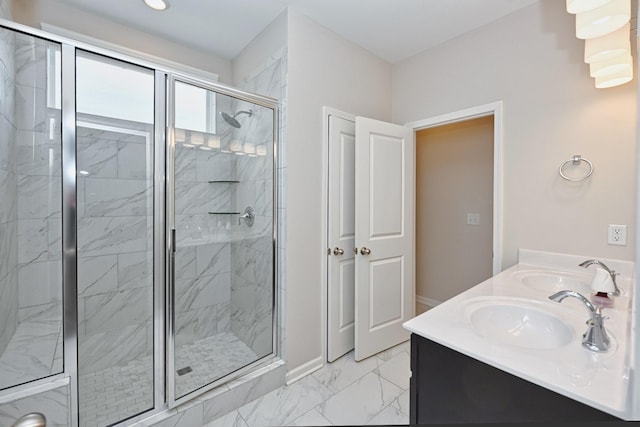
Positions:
(450, 387)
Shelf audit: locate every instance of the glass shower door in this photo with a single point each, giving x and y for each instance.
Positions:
(115, 116)
(221, 208)
(31, 344)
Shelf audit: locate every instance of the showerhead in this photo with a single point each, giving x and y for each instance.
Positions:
(232, 120)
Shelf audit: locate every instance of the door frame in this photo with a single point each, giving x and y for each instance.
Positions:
(494, 109)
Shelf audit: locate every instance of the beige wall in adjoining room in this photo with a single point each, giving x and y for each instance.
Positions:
(34, 12)
(533, 62)
(454, 177)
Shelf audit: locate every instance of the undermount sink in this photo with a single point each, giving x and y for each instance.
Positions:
(551, 281)
(518, 323)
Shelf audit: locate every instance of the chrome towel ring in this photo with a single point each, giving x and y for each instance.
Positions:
(575, 160)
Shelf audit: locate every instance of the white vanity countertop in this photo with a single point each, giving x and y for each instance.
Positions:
(600, 380)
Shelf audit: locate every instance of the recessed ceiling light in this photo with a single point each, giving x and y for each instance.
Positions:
(157, 4)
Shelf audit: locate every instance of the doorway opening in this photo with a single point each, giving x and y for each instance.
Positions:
(454, 209)
(458, 240)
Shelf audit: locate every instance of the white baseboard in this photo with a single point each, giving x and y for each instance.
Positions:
(303, 370)
(427, 301)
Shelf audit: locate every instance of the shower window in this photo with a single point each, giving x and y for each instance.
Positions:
(115, 110)
(195, 108)
(31, 345)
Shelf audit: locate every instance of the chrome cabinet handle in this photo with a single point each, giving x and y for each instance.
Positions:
(365, 251)
(338, 251)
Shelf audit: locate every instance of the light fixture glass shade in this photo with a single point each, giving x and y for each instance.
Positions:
(213, 141)
(180, 135)
(236, 146)
(608, 46)
(603, 20)
(261, 150)
(612, 66)
(156, 4)
(197, 138)
(249, 148)
(614, 79)
(579, 6)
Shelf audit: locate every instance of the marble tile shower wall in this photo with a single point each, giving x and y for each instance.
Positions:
(8, 189)
(203, 257)
(252, 255)
(37, 162)
(115, 245)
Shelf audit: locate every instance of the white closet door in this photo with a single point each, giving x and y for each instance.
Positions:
(384, 229)
(341, 229)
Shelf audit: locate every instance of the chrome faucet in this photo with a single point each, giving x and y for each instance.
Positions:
(612, 273)
(595, 338)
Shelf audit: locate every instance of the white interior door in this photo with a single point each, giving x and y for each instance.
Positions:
(341, 238)
(384, 212)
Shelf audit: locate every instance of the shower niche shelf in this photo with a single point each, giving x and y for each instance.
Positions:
(223, 181)
(224, 213)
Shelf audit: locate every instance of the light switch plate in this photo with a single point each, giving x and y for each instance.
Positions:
(473, 219)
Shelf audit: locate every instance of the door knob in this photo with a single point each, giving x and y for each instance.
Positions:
(365, 251)
(34, 419)
(338, 251)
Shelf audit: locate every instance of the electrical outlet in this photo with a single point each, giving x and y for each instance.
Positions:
(617, 235)
(473, 219)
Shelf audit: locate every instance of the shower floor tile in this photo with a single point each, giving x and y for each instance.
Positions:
(111, 394)
(210, 359)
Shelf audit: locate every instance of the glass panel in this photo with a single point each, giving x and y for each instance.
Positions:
(115, 243)
(223, 312)
(30, 212)
(195, 108)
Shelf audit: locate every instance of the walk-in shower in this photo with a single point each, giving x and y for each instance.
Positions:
(137, 230)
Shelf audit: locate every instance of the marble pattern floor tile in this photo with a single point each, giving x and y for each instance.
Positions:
(374, 391)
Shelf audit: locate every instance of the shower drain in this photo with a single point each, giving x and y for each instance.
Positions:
(183, 371)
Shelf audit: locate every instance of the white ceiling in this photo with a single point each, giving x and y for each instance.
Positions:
(391, 29)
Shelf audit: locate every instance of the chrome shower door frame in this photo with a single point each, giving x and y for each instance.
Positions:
(264, 101)
(163, 223)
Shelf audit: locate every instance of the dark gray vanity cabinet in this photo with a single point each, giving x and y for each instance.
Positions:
(450, 387)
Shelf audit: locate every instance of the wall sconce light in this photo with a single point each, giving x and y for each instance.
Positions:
(213, 141)
(236, 147)
(604, 25)
(614, 79)
(197, 138)
(261, 150)
(179, 135)
(609, 46)
(603, 20)
(579, 6)
(250, 149)
(616, 65)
